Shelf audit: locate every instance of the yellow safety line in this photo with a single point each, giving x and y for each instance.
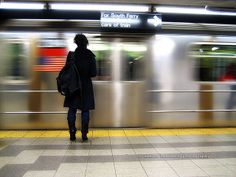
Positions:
(118, 132)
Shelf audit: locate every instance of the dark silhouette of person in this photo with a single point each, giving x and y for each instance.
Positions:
(84, 99)
(230, 75)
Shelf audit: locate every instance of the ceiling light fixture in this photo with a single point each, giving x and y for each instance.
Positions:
(99, 7)
(21, 5)
(196, 11)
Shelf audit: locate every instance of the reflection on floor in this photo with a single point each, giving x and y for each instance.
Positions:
(120, 153)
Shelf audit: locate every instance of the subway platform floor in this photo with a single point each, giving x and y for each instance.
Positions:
(202, 152)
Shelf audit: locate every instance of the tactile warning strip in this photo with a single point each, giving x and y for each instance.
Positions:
(118, 132)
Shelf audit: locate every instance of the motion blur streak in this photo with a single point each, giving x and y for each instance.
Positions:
(164, 80)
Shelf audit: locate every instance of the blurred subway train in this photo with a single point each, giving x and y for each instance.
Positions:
(144, 80)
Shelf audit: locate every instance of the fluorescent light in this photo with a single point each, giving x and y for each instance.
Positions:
(13, 5)
(98, 47)
(186, 10)
(99, 7)
(180, 10)
(134, 48)
(214, 48)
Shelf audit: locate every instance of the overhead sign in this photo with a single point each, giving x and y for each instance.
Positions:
(128, 20)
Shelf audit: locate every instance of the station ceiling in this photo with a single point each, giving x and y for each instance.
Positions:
(231, 4)
(84, 21)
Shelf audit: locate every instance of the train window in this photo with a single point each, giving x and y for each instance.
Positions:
(213, 60)
(16, 61)
(133, 62)
(102, 52)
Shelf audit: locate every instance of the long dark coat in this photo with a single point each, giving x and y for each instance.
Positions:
(86, 64)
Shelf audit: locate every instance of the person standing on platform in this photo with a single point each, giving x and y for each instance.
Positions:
(83, 99)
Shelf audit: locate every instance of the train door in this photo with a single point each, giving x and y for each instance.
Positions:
(119, 86)
(14, 78)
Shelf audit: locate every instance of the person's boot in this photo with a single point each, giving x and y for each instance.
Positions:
(85, 125)
(72, 131)
(84, 131)
(84, 136)
(72, 135)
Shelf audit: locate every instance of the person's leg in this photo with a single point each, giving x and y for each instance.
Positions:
(84, 124)
(71, 117)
